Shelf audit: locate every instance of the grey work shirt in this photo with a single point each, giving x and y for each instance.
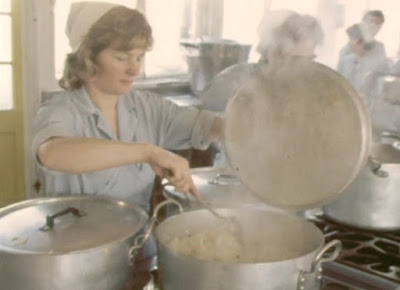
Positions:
(143, 117)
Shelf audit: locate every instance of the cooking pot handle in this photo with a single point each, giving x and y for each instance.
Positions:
(390, 135)
(141, 239)
(376, 168)
(50, 218)
(311, 279)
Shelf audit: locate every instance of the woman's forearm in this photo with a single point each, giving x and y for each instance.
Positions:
(81, 155)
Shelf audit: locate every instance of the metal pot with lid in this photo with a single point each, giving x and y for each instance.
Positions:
(296, 137)
(372, 201)
(71, 242)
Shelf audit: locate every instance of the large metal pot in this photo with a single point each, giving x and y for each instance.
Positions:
(299, 146)
(300, 243)
(74, 242)
(219, 187)
(372, 201)
(206, 58)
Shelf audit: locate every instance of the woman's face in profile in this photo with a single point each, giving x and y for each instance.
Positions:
(117, 70)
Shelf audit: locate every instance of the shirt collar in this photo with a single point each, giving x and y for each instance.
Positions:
(126, 113)
(83, 99)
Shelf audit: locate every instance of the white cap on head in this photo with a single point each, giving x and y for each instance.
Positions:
(81, 17)
(268, 24)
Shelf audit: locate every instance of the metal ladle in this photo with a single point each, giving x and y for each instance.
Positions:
(197, 198)
(234, 225)
(206, 205)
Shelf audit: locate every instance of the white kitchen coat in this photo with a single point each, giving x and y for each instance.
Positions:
(144, 117)
(363, 72)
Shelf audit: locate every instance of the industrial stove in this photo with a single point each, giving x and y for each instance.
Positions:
(370, 260)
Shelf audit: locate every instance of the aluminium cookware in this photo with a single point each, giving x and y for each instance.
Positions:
(69, 242)
(298, 249)
(296, 136)
(372, 201)
(207, 57)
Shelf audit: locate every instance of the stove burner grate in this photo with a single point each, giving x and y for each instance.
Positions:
(376, 253)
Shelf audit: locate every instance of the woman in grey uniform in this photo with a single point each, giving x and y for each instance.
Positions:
(101, 137)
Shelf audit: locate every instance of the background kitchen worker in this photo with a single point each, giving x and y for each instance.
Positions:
(283, 36)
(362, 66)
(370, 25)
(100, 136)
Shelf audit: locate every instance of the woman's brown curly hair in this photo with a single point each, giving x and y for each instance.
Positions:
(121, 27)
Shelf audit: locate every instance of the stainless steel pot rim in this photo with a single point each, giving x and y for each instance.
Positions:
(103, 223)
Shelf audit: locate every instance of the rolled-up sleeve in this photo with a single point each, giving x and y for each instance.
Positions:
(52, 119)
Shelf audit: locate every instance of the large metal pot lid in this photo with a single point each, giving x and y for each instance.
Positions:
(297, 136)
(92, 222)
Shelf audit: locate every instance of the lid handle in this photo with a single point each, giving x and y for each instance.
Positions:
(50, 218)
(217, 179)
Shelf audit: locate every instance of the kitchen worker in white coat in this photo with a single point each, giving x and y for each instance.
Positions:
(101, 137)
(371, 24)
(362, 66)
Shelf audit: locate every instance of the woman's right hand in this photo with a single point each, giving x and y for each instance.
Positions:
(174, 168)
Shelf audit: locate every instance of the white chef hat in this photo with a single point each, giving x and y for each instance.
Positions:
(270, 21)
(81, 17)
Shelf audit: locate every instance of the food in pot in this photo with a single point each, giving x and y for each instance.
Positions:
(225, 246)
